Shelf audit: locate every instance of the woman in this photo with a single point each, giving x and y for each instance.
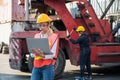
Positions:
(44, 64)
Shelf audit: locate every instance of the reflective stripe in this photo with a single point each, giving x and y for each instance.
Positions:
(53, 50)
(52, 38)
(38, 57)
(49, 43)
(54, 47)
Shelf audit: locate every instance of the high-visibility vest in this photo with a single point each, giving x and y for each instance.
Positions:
(54, 46)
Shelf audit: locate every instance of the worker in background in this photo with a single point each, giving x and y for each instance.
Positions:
(83, 42)
(44, 64)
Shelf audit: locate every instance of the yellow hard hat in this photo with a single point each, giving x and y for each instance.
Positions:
(43, 18)
(80, 29)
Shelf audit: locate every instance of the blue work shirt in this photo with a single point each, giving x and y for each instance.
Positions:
(83, 40)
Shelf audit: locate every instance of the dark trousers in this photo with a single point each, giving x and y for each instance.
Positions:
(85, 61)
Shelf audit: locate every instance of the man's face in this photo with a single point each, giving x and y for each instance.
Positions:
(44, 26)
(80, 33)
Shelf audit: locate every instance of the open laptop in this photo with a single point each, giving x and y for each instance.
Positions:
(38, 43)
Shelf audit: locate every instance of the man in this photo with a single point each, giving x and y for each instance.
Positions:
(44, 64)
(83, 42)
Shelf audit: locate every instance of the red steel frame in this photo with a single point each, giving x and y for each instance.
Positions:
(109, 52)
(101, 51)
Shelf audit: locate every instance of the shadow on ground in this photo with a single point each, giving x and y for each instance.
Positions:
(99, 73)
(13, 77)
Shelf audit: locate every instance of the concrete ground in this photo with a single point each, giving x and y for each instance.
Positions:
(99, 73)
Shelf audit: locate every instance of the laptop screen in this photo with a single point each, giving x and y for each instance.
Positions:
(38, 43)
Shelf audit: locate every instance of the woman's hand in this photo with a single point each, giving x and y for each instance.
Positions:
(41, 53)
(38, 52)
(35, 51)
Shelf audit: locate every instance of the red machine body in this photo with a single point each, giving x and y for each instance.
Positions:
(104, 49)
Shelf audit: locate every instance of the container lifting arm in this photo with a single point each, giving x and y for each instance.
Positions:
(106, 10)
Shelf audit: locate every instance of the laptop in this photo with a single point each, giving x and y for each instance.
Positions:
(38, 43)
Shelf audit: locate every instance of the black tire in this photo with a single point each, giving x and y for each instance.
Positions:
(30, 63)
(59, 66)
(23, 65)
(1, 46)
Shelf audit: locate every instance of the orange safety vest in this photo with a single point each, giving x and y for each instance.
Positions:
(54, 46)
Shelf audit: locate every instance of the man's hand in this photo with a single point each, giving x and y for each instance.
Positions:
(68, 36)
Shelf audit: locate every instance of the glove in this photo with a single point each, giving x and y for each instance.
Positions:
(68, 36)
